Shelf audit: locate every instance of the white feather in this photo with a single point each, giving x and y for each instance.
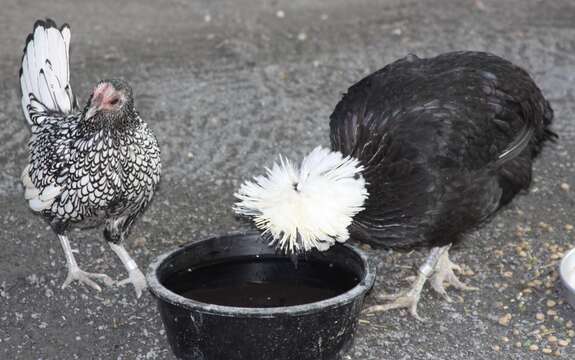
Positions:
(66, 35)
(45, 70)
(38, 199)
(25, 177)
(38, 205)
(50, 192)
(25, 98)
(44, 93)
(30, 193)
(59, 93)
(307, 207)
(56, 43)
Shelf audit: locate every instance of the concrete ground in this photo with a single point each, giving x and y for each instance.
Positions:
(226, 85)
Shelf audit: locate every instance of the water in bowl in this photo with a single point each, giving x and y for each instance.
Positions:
(262, 282)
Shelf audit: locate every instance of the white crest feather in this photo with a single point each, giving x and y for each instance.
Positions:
(307, 207)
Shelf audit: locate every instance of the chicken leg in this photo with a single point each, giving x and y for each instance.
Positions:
(439, 268)
(74, 272)
(444, 275)
(135, 276)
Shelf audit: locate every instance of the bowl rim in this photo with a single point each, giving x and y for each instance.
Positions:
(162, 293)
(562, 270)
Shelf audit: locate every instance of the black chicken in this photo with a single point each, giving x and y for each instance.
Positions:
(440, 145)
(99, 165)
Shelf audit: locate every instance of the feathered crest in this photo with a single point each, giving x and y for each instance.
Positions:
(307, 207)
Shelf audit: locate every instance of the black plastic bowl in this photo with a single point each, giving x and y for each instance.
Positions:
(202, 331)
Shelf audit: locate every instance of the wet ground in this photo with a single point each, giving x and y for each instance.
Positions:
(226, 85)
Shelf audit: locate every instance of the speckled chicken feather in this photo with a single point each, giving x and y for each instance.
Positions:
(80, 172)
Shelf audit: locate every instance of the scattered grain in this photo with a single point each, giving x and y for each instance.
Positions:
(505, 319)
(552, 339)
(545, 226)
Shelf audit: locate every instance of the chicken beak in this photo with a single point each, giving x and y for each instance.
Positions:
(92, 110)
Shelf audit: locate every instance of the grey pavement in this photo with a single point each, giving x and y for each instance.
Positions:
(228, 84)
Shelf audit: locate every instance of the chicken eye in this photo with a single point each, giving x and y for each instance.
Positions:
(114, 101)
